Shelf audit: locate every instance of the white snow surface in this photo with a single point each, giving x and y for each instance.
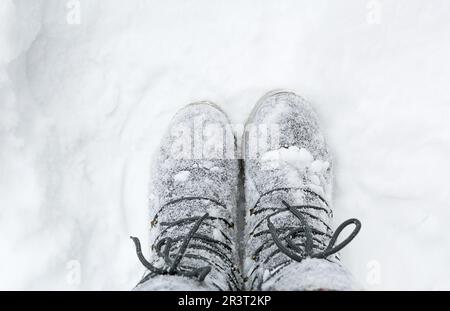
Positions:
(182, 176)
(83, 107)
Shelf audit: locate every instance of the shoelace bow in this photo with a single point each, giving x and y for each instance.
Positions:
(172, 267)
(297, 253)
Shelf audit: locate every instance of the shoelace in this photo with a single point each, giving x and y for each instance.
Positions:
(164, 248)
(173, 266)
(298, 254)
(299, 251)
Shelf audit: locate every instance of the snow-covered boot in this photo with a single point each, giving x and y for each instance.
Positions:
(194, 193)
(290, 244)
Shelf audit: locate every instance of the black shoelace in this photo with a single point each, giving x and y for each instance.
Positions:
(297, 253)
(172, 262)
(173, 266)
(283, 238)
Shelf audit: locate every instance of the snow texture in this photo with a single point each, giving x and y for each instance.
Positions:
(84, 103)
(313, 274)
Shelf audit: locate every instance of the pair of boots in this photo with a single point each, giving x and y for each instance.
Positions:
(200, 240)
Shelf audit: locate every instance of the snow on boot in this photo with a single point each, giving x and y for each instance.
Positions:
(194, 191)
(290, 244)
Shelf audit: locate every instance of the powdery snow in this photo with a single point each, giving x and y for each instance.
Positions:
(83, 107)
(297, 163)
(182, 176)
(299, 159)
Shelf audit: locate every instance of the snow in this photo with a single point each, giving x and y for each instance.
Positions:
(316, 275)
(297, 163)
(84, 105)
(182, 176)
(297, 158)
